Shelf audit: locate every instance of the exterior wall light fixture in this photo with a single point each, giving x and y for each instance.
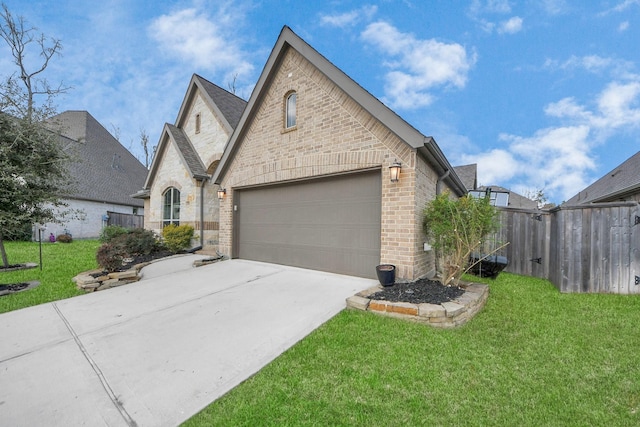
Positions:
(221, 193)
(394, 171)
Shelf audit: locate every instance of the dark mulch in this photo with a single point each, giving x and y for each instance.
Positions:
(15, 267)
(420, 291)
(14, 287)
(7, 289)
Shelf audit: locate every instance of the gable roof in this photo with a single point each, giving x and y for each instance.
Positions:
(425, 145)
(103, 169)
(621, 181)
(187, 152)
(468, 174)
(226, 106)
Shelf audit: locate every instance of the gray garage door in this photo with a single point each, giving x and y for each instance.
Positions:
(330, 224)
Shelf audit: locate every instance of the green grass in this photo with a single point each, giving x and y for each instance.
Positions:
(531, 357)
(60, 262)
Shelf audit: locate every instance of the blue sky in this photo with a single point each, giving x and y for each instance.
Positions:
(540, 94)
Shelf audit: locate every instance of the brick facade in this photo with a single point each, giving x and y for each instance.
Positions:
(333, 135)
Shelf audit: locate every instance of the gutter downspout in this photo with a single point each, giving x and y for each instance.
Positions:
(202, 213)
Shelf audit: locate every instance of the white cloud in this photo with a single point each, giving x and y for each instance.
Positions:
(561, 158)
(349, 18)
(417, 66)
(621, 7)
(490, 6)
(201, 41)
(624, 26)
(511, 26)
(554, 7)
(595, 64)
(488, 173)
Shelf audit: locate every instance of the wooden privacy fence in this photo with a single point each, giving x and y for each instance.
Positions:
(591, 248)
(125, 220)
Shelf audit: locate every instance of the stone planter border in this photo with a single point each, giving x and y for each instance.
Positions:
(88, 283)
(446, 315)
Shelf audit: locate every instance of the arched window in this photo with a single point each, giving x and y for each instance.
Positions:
(171, 207)
(198, 122)
(290, 110)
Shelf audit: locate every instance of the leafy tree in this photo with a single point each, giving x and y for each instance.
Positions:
(455, 228)
(33, 163)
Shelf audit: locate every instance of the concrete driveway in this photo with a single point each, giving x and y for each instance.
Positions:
(155, 352)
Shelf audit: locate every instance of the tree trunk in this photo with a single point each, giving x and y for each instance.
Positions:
(5, 260)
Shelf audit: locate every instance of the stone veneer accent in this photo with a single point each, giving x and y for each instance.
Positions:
(446, 315)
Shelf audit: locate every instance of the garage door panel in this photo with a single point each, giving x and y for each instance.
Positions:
(328, 224)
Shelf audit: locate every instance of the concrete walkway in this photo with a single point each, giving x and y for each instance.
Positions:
(155, 352)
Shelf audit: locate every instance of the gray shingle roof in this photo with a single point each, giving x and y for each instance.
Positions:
(468, 175)
(229, 104)
(622, 180)
(188, 152)
(102, 168)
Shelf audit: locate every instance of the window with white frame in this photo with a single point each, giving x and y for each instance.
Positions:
(290, 110)
(171, 207)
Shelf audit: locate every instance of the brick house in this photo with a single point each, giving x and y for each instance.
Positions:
(307, 173)
(178, 189)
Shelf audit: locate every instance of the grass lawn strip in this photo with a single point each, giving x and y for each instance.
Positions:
(531, 357)
(60, 262)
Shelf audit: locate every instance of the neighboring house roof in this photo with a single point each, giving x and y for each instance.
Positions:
(623, 180)
(103, 169)
(226, 106)
(425, 145)
(516, 200)
(468, 175)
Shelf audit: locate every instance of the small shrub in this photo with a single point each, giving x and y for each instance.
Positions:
(177, 237)
(133, 243)
(110, 256)
(110, 232)
(137, 242)
(64, 238)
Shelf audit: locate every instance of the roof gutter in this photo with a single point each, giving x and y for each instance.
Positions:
(431, 152)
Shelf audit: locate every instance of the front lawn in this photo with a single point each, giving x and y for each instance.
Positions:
(60, 262)
(532, 357)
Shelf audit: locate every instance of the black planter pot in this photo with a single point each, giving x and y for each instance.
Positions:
(386, 274)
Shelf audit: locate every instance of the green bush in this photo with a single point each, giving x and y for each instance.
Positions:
(138, 242)
(455, 228)
(64, 238)
(133, 243)
(110, 232)
(110, 256)
(177, 237)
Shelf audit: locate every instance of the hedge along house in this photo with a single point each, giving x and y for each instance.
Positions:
(307, 173)
(178, 189)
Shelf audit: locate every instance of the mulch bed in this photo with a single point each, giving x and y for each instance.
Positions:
(418, 292)
(7, 289)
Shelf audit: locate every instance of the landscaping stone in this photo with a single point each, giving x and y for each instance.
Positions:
(449, 314)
